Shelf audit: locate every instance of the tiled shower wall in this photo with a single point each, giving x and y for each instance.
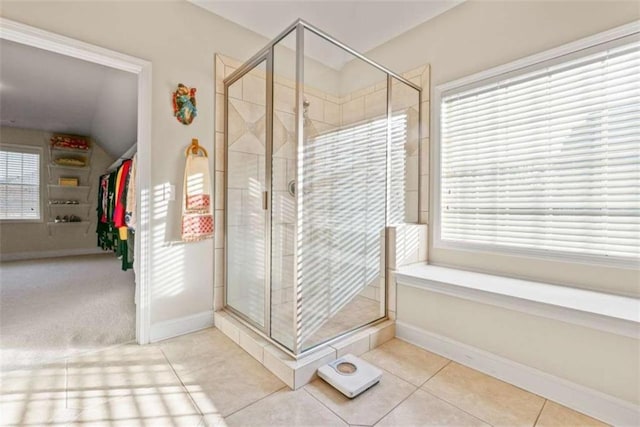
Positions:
(325, 112)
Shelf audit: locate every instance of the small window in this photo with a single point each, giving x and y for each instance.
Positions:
(545, 159)
(19, 184)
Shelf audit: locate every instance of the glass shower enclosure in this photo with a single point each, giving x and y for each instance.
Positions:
(321, 156)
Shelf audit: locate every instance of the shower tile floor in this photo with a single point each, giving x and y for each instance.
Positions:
(205, 379)
(348, 317)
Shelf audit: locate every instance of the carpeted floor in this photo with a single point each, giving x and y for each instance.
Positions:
(57, 307)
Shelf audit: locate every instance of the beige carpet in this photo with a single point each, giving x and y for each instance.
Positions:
(54, 308)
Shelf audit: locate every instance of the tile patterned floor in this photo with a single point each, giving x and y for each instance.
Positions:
(204, 379)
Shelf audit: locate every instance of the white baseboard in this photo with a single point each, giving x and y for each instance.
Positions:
(594, 403)
(183, 325)
(19, 256)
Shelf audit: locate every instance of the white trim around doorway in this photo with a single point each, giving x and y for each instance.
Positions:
(31, 36)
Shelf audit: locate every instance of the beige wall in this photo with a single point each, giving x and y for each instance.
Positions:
(467, 39)
(478, 35)
(595, 359)
(180, 41)
(34, 237)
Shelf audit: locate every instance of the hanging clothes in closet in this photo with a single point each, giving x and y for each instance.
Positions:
(115, 233)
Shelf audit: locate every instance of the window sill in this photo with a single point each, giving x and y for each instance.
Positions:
(597, 310)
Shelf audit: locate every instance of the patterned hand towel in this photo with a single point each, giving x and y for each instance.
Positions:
(197, 215)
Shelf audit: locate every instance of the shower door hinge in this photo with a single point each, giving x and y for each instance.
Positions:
(265, 200)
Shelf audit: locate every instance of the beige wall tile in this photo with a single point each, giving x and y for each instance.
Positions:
(228, 326)
(253, 344)
(220, 75)
(424, 192)
(219, 151)
(356, 344)
(353, 111)
(284, 99)
(392, 290)
(235, 89)
(254, 89)
(426, 83)
(305, 368)
(218, 298)
(410, 244)
(376, 104)
(219, 190)
(219, 268)
(411, 207)
(332, 113)
(416, 72)
(230, 61)
(382, 333)
(425, 118)
(315, 111)
(425, 156)
(279, 364)
(219, 113)
(362, 92)
(424, 217)
(333, 99)
(219, 224)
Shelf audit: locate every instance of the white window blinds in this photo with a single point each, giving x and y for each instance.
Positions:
(547, 158)
(19, 184)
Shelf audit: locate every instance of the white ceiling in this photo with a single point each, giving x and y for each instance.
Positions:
(362, 25)
(56, 93)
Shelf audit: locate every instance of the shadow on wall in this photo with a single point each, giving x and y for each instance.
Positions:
(168, 260)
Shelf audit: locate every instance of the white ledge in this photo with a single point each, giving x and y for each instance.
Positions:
(597, 310)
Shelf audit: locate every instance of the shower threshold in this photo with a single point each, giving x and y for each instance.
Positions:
(299, 372)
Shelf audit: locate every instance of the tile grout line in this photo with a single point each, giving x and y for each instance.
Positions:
(406, 398)
(435, 373)
(387, 413)
(256, 401)
(320, 402)
(446, 401)
(458, 408)
(540, 413)
(454, 405)
(184, 387)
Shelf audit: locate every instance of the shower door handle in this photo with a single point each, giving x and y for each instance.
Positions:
(265, 200)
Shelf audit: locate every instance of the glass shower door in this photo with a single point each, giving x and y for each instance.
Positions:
(246, 197)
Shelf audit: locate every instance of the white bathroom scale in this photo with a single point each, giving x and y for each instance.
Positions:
(350, 375)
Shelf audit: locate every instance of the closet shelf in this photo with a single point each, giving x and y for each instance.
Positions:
(68, 205)
(52, 224)
(68, 222)
(69, 167)
(70, 150)
(77, 187)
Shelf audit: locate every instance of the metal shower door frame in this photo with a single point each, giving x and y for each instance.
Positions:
(246, 68)
(267, 54)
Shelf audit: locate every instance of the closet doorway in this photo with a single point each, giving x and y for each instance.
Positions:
(58, 200)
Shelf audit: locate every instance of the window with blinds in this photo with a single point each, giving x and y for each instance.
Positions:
(546, 158)
(19, 184)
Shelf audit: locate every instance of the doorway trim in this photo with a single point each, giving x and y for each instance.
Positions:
(35, 37)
